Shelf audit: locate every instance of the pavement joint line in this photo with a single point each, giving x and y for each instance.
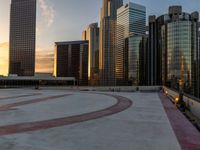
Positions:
(122, 104)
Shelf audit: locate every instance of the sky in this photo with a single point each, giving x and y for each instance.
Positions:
(64, 20)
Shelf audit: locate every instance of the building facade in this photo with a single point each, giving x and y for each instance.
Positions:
(136, 47)
(91, 34)
(199, 65)
(131, 20)
(154, 74)
(175, 49)
(107, 41)
(71, 60)
(22, 37)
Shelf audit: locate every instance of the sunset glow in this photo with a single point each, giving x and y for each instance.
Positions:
(51, 27)
(4, 58)
(44, 59)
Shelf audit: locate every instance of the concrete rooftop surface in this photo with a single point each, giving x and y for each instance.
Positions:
(71, 120)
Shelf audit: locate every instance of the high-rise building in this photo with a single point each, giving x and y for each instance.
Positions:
(131, 20)
(71, 60)
(175, 47)
(91, 34)
(22, 37)
(154, 74)
(199, 64)
(107, 41)
(136, 47)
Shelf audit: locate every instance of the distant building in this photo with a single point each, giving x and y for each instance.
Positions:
(131, 21)
(37, 80)
(91, 34)
(71, 60)
(108, 22)
(154, 61)
(136, 48)
(199, 64)
(173, 41)
(22, 37)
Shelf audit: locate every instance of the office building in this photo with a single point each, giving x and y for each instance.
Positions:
(175, 47)
(71, 60)
(199, 65)
(154, 74)
(22, 37)
(107, 41)
(91, 34)
(131, 20)
(136, 47)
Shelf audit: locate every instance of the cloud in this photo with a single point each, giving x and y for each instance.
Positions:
(4, 52)
(4, 45)
(48, 13)
(44, 60)
(4, 58)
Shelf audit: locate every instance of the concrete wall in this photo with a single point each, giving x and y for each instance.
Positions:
(110, 88)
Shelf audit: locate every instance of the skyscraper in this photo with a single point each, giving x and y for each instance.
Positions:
(136, 49)
(71, 60)
(107, 41)
(91, 34)
(199, 64)
(176, 44)
(131, 20)
(22, 37)
(154, 74)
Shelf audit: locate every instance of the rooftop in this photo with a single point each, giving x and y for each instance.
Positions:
(71, 42)
(60, 119)
(132, 6)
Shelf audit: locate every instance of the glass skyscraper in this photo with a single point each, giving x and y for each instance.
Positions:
(176, 47)
(91, 34)
(199, 65)
(107, 41)
(154, 74)
(131, 22)
(71, 60)
(136, 48)
(22, 37)
(179, 45)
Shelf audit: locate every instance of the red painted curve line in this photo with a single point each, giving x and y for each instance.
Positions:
(13, 105)
(187, 135)
(121, 105)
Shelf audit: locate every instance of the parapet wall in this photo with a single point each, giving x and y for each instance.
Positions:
(191, 102)
(111, 89)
